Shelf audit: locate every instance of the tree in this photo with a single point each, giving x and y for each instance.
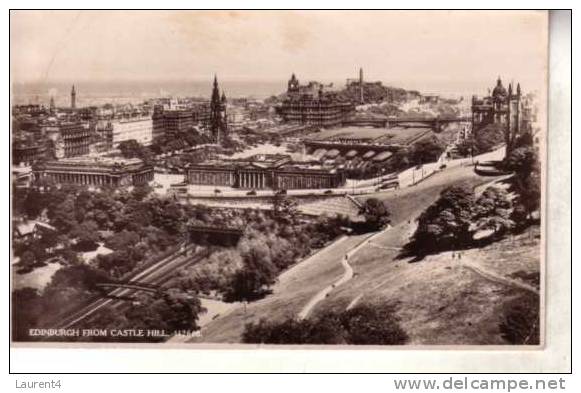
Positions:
(133, 149)
(522, 160)
(373, 324)
(466, 147)
(171, 312)
(64, 217)
(492, 211)
(527, 181)
(257, 274)
(49, 240)
(284, 208)
(362, 325)
(520, 320)
(292, 331)
(446, 223)
(487, 137)
(87, 235)
(26, 309)
(27, 260)
(34, 204)
(376, 214)
(426, 150)
(141, 191)
(130, 148)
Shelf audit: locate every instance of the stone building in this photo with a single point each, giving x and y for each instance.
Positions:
(76, 138)
(264, 171)
(314, 104)
(95, 172)
(139, 129)
(502, 107)
(25, 152)
(171, 122)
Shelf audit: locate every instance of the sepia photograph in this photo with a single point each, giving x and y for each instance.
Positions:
(326, 179)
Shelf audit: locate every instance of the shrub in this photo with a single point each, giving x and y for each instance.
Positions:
(521, 322)
(376, 214)
(362, 325)
(445, 223)
(373, 324)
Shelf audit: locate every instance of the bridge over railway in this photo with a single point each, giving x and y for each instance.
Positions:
(435, 123)
(220, 235)
(138, 286)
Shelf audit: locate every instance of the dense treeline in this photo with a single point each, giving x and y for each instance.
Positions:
(367, 324)
(132, 224)
(272, 241)
(138, 226)
(457, 216)
(482, 140)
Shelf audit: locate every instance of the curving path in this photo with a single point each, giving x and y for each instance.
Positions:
(348, 275)
(494, 277)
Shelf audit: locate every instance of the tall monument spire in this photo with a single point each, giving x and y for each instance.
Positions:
(73, 98)
(218, 125)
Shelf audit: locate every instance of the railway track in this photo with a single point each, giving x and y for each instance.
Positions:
(157, 274)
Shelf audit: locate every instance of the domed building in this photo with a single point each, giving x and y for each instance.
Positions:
(503, 107)
(499, 93)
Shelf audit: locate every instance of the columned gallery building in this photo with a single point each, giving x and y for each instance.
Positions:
(95, 172)
(264, 171)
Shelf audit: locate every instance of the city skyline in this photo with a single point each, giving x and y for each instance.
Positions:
(397, 47)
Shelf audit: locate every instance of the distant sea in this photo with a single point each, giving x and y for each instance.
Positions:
(98, 93)
(120, 92)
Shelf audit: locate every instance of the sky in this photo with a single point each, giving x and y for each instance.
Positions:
(430, 51)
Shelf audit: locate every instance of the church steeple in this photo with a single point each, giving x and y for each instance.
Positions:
(73, 98)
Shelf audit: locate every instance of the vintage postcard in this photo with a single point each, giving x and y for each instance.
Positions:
(337, 178)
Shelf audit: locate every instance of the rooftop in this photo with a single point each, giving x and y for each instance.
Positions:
(95, 163)
(264, 161)
(387, 136)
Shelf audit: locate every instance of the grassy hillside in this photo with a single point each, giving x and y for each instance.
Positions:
(440, 301)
